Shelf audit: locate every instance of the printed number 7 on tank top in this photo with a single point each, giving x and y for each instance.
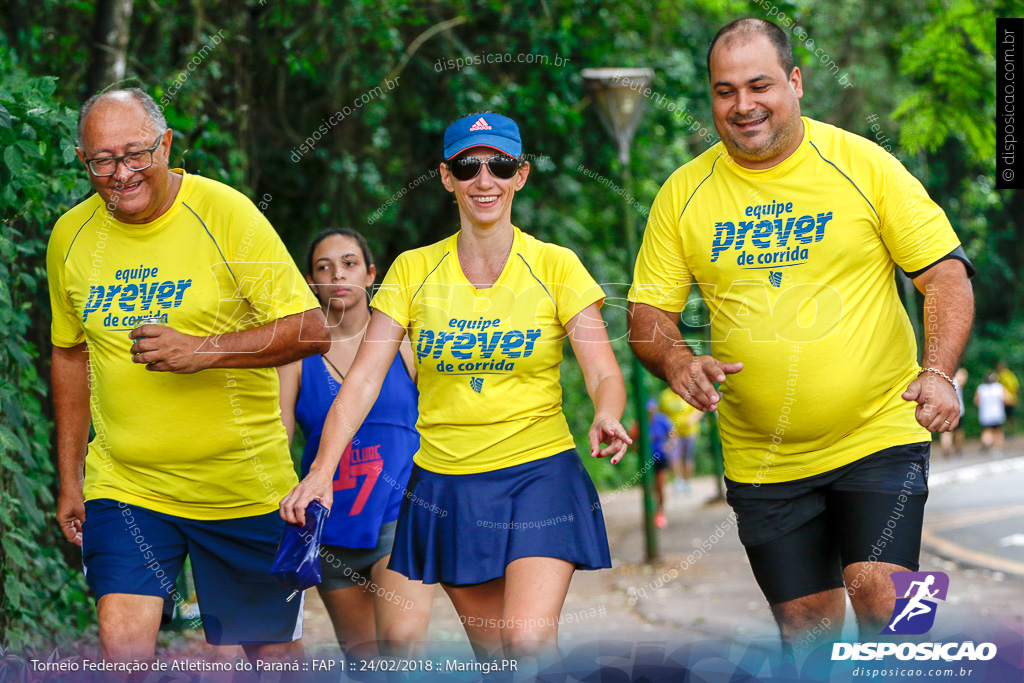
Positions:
(355, 462)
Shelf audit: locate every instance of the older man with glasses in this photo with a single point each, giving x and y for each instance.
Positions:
(173, 298)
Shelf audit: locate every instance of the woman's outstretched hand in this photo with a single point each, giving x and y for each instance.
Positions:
(608, 431)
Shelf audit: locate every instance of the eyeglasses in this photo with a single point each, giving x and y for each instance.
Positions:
(501, 166)
(104, 167)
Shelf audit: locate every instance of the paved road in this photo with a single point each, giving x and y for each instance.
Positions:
(975, 515)
(713, 595)
(975, 504)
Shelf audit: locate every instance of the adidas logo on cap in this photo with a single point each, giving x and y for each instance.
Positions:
(485, 129)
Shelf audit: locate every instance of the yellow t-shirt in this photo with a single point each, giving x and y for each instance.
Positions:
(1012, 385)
(796, 263)
(679, 411)
(488, 359)
(209, 445)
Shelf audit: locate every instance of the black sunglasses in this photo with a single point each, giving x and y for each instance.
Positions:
(500, 166)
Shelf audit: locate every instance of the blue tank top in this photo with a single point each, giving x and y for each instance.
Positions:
(375, 468)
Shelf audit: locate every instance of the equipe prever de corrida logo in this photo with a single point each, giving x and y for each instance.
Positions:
(914, 614)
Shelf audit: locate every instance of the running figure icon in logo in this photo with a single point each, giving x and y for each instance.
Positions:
(914, 613)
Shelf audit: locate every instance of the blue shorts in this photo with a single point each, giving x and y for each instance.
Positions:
(464, 529)
(132, 550)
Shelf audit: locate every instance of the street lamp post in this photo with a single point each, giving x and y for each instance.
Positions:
(618, 98)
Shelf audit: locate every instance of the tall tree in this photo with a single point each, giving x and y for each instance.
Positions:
(109, 43)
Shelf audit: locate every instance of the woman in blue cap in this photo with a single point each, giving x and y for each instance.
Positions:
(499, 508)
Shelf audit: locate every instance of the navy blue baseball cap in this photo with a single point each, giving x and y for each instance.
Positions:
(483, 130)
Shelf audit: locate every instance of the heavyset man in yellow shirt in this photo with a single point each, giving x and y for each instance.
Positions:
(189, 454)
(792, 229)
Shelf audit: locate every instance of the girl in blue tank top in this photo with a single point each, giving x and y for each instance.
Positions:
(369, 605)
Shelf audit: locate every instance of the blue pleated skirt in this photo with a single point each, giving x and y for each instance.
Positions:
(464, 529)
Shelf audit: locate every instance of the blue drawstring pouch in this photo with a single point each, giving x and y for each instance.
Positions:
(297, 565)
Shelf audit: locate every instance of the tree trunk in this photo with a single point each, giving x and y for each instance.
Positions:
(5, 616)
(109, 43)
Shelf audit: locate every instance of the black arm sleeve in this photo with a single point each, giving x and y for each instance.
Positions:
(957, 254)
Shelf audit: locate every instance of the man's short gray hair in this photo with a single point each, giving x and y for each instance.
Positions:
(156, 117)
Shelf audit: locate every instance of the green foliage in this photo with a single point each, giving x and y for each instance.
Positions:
(41, 594)
(952, 62)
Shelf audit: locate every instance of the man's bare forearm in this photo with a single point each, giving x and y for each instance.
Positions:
(948, 315)
(656, 340)
(69, 375)
(277, 343)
